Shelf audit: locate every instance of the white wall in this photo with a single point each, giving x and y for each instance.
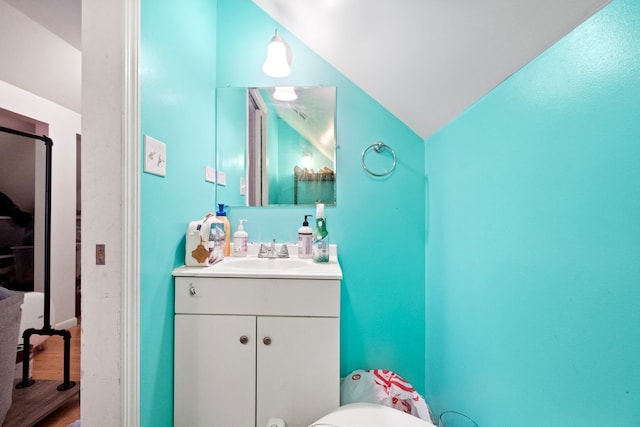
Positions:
(38, 61)
(104, 372)
(64, 125)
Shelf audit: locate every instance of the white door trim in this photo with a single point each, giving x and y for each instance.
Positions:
(131, 219)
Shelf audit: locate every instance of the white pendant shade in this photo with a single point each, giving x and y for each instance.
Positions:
(277, 63)
(285, 93)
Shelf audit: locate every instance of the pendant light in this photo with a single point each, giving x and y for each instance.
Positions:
(285, 93)
(278, 61)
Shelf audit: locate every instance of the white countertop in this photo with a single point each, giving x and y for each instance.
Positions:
(253, 267)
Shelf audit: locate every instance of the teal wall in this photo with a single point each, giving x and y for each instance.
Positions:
(231, 109)
(378, 224)
(186, 47)
(177, 106)
(533, 246)
(291, 145)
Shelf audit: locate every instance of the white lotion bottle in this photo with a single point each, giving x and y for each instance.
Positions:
(305, 239)
(240, 240)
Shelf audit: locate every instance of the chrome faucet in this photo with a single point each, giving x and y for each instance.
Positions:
(284, 251)
(269, 251)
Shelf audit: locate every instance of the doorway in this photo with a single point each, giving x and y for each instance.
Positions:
(17, 203)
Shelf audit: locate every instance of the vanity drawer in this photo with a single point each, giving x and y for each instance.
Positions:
(245, 296)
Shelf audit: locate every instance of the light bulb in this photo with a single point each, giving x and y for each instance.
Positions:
(285, 93)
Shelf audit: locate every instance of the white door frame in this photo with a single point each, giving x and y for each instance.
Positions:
(131, 218)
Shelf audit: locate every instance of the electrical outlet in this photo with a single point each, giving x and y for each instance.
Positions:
(155, 156)
(221, 178)
(209, 174)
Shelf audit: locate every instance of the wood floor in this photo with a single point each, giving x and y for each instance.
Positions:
(48, 365)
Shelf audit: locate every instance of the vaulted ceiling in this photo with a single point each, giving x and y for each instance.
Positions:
(426, 61)
(61, 17)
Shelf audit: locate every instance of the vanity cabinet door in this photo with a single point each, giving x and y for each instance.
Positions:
(214, 374)
(298, 373)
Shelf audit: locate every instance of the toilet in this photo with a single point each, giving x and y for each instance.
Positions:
(369, 415)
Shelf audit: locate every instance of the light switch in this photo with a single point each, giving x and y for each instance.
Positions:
(155, 156)
(209, 174)
(243, 186)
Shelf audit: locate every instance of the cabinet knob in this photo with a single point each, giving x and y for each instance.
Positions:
(244, 339)
(192, 291)
(266, 341)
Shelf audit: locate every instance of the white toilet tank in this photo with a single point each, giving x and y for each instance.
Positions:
(369, 415)
(33, 316)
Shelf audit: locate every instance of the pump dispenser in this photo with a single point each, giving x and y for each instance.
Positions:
(305, 239)
(222, 216)
(320, 250)
(240, 240)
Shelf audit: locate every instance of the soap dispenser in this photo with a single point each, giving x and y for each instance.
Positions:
(305, 239)
(240, 240)
(320, 250)
(222, 216)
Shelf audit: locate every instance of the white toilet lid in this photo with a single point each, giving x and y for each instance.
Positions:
(369, 415)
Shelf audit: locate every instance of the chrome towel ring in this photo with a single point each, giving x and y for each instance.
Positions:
(379, 147)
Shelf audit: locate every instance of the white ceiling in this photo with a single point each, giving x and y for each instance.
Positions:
(61, 17)
(426, 61)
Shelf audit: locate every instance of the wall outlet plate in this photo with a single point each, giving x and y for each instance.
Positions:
(209, 174)
(155, 156)
(221, 177)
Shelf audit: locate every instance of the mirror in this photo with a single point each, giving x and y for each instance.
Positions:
(276, 146)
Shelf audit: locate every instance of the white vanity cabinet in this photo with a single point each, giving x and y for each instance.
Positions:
(248, 349)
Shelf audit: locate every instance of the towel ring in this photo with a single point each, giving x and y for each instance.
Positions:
(379, 147)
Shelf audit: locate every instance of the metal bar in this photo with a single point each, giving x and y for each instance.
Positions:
(47, 235)
(47, 218)
(66, 335)
(25, 134)
(26, 382)
(67, 347)
(46, 329)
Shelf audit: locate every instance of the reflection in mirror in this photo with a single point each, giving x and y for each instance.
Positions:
(289, 156)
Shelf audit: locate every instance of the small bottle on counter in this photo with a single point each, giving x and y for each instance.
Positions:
(222, 216)
(305, 239)
(240, 240)
(320, 250)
